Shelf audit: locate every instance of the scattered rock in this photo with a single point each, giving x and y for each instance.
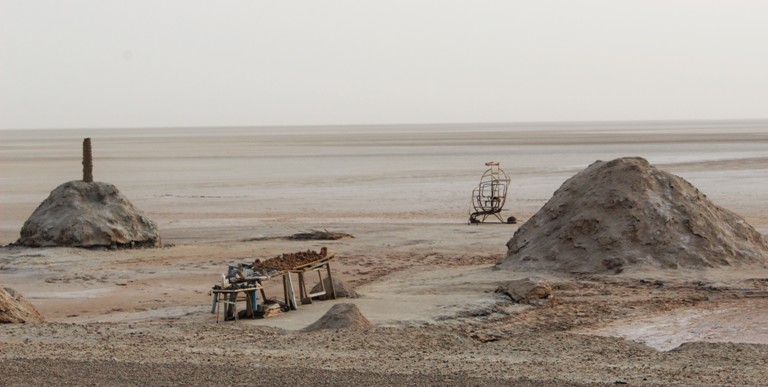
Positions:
(81, 214)
(528, 291)
(486, 337)
(341, 290)
(14, 308)
(626, 212)
(341, 316)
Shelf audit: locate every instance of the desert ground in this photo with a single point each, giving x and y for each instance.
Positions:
(222, 196)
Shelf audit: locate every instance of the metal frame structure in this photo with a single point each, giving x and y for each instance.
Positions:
(489, 197)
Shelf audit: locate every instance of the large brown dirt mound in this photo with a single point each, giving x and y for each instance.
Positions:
(16, 309)
(625, 213)
(88, 214)
(341, 316)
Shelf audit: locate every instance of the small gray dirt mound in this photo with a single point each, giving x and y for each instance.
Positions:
(341, 290)
(625, 213)
(14, 308)
(341, 316)
(82, 214)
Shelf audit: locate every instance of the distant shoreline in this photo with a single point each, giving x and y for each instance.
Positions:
(644, 125)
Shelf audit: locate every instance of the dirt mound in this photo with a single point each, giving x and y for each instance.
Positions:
(341, 316)
(14, 308)
(340, 287)
(83, 214)
(626, 212)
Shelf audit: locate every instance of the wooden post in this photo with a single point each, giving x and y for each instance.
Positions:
(263, 294)
(330, 280)
(250, 297)
(285, 291)
(303, 292)
(322, 285)
(230, 309)
(291, 294)
(87, 161)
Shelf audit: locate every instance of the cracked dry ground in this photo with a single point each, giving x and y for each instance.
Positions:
(537, 346)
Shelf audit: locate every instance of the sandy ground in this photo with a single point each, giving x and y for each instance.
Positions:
(425, 275)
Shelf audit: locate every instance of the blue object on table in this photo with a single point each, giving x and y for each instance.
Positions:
(254, 300)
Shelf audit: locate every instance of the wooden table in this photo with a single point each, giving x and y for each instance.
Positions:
(229, 297)
(304, 294)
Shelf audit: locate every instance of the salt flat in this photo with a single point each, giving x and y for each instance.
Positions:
(403, 192)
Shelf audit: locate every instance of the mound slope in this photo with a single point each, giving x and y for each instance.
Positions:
(88, 214)
(14, 308)
(626, 212)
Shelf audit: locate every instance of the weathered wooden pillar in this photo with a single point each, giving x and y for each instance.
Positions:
(87, 161)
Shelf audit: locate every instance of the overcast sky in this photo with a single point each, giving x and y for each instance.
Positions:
(100, 63)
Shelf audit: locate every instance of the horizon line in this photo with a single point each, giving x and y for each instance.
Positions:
(416, 125)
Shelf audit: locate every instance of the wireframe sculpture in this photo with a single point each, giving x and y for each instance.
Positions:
(489, 196)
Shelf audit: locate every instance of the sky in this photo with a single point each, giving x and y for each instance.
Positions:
(191, 63)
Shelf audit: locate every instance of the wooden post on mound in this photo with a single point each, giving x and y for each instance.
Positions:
(87, 161)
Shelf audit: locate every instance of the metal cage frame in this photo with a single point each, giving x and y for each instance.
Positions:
(490, 195)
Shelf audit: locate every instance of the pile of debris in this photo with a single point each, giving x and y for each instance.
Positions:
(316, 235)
(313, 235)
(271, 308)
(627, 213)
(289, 261)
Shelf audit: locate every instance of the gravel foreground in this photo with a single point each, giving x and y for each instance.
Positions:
(238, 354)
(133, 374)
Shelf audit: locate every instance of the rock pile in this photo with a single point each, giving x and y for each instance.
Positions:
(289, 261)
(625, 213)
(14, 308)
(88, 214)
